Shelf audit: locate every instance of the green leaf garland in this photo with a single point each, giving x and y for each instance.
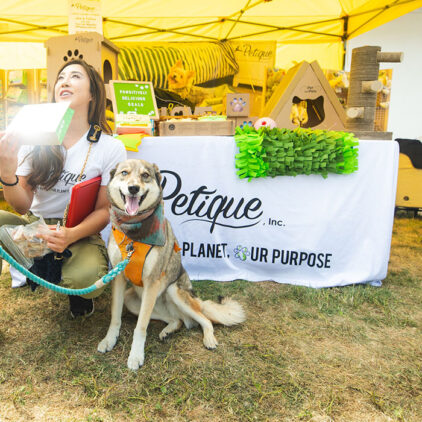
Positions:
(284, 152)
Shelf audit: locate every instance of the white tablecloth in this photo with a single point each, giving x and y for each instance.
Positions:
(302, 230)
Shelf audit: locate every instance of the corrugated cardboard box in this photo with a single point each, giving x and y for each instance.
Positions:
(305, 98)
(242, 121)
(196, 128)
(238, 104)
(92, 47)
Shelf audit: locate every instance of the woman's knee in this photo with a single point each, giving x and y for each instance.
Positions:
(9, 218)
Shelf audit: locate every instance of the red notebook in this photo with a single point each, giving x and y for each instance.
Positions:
(82, 200)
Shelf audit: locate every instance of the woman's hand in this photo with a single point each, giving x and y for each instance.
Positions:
(58, 240)
(19, 195)
(9, 147)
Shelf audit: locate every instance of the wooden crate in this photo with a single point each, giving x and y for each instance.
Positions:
(196, 128)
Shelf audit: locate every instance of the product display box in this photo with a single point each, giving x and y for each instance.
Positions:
(238, 105)
(196, 128)
(92, 47)
(305, 98)
(42, 124)
(242, 121)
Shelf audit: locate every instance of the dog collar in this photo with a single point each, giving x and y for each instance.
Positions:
(122, 218)
(150, 230)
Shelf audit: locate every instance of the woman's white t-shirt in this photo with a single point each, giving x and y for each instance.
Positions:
(104, 156)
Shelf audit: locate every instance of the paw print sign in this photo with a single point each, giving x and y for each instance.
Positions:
(237, 104)
(72, 55)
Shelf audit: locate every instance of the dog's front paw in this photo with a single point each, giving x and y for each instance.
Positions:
(164, 335)
(169, 329)
(135, 361)
(210, 342)
(107, 343)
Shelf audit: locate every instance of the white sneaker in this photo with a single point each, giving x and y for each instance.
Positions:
(18, 279)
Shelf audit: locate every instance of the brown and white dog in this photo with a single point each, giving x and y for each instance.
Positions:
(161, 289)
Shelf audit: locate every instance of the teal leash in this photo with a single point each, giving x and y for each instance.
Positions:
(58, 289)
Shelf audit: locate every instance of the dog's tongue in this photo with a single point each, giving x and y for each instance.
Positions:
(132, 204)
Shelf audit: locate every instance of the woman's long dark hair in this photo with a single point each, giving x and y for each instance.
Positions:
(48, 161)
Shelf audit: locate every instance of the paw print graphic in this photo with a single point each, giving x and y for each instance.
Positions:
(241, 252)
(246, 123)
(237, 104)
(72, 55)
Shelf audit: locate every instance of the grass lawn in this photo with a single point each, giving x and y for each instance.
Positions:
(339, 354)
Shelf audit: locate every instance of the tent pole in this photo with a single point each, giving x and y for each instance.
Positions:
(31, 27)
(154, 30)
(293, 28)
(344, 38)
(241, 12)
(369, 20)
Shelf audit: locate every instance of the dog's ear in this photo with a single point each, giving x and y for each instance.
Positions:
(177, 65)
(113, 172)
(158, 176)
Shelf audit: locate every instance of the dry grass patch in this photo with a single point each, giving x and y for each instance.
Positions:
(340, 354)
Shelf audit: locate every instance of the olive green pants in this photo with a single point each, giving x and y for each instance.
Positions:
(89, 260)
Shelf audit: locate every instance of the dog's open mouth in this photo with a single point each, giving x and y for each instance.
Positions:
(132, 203)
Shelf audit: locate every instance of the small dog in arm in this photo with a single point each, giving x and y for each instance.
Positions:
(161, 288)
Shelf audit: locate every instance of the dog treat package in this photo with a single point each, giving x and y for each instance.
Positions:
(23, 244)
(129, 123)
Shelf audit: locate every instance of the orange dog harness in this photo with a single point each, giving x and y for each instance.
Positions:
(134, 268)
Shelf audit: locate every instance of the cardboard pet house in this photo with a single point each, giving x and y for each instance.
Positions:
(92, 47)
(305, 98)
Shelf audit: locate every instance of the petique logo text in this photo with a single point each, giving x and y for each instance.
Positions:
(205, 204)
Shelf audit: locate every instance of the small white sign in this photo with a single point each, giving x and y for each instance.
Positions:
(85, 16)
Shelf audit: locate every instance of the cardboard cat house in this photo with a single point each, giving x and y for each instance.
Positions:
(305, 98)
(92, 47)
